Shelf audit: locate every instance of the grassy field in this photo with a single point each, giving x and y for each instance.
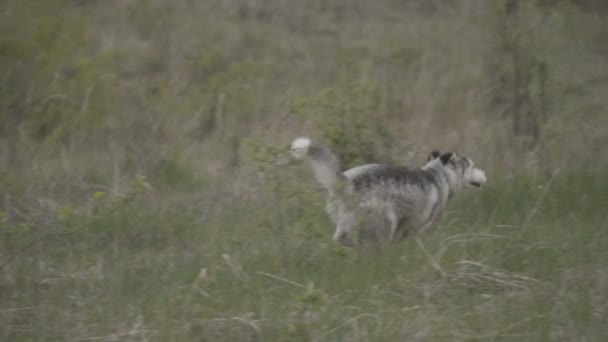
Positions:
(147, 193)
(520, 260)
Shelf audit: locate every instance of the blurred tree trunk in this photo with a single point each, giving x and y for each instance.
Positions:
(526, 118)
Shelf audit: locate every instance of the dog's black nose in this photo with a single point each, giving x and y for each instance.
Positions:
(476, 184)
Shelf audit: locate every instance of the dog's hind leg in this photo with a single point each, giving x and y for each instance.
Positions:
(403, 229)
(332, 208)
(391, 215)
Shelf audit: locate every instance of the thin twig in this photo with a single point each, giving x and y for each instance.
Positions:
(541, 198)
(430, 257)
(350, 320)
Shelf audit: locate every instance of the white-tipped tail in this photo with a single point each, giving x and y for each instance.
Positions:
(299, 147)
(323, 161)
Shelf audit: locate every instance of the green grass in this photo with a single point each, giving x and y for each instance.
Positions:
(519, 261)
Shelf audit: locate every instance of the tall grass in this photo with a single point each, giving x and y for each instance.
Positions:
(158, 271)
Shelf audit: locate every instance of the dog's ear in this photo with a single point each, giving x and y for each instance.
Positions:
(433, 155)
(445, 158)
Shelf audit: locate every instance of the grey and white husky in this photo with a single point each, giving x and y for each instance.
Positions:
(384, 203)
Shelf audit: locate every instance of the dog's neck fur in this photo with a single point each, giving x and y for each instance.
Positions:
(443, 174)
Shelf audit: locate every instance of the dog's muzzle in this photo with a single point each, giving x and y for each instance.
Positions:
(478, 178)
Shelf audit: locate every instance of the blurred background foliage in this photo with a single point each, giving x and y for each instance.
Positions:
(95, 88)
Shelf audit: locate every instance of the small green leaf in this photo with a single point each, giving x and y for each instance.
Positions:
(99, 195)
(141, 183)
(65, 213)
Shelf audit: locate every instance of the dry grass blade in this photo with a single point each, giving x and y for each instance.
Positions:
(473, 270)
(291, 282)
(348, 321)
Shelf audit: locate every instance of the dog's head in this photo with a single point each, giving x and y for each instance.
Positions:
(461, 169)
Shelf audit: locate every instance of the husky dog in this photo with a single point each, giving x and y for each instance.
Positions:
(384, 203)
